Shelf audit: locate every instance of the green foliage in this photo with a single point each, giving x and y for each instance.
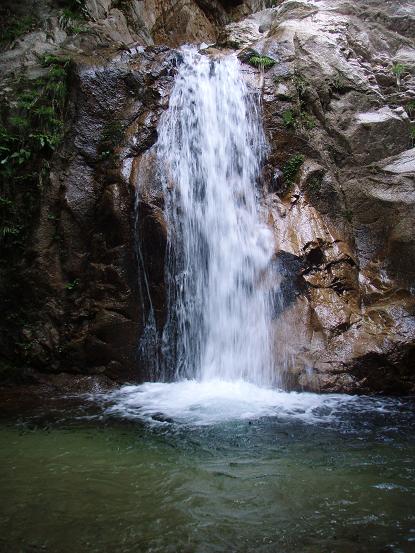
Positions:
(410, 107)
(337, 83)
(72, 17)
(398, 69)
(12, 26)
(4, 230)
(288, 118)
(300, 83)
(5, 201)
(72, 285)
(412, 134)
(348, 215)
(111, 137)
(314, 185)
(291, 168)
(261, 62)
(71, 22)
(51, 60)
(31, 127)
(299, 118)
(307, 120)
(295, 120)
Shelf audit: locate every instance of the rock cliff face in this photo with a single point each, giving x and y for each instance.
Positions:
(338, 185)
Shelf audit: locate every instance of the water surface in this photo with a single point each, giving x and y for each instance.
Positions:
(333, 475)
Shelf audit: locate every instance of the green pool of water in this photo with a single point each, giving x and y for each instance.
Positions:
(102, 484)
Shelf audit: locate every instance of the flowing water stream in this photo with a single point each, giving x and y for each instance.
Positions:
(213, 456)
(209, 151)
(218, 263)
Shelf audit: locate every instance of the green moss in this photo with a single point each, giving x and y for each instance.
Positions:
(291, 168)
(261, 62)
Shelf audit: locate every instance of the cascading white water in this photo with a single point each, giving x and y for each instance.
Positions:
(209, 152)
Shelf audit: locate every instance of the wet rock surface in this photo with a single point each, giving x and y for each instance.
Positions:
(338, 185)
(334, 98)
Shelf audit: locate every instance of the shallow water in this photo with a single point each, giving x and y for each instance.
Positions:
(104, 476)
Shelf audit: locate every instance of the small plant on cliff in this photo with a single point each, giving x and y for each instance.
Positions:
(410, 107)
(72, 285)
(302, 121)
(314, 185)
(72, 22)
(261, 62)
(288, 118)
(291, 168)
(398, 69)
(13, 26)
(337, 83)
(300, 83)
(111, 136)
(348, 215)
(412, 134)
(307, 121)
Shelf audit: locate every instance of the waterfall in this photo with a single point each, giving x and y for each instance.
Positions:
(209, 151)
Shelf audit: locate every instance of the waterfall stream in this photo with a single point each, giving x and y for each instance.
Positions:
(215, 358)
(209, 152)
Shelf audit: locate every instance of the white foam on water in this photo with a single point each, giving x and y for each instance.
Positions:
(215, 401)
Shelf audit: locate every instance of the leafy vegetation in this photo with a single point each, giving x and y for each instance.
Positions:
(410, 107)
(14, 26)
(303, 120)
(398, 69)
(31, 127)
(288, 118)
(261, 62)
(348, 215)
(301, 84)
(72, 17)
(314, 185)
(291, 168)
(112, 134)
(72, 285)
(307, 121)
(297, 117)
